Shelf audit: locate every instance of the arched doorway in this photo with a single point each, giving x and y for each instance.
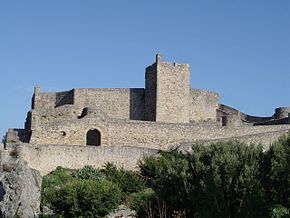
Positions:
(94, 137)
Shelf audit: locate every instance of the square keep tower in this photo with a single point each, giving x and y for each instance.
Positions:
(167, 92)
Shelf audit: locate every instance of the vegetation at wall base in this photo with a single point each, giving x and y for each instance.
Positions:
(224, 179)
(88, 192)
(128, 181)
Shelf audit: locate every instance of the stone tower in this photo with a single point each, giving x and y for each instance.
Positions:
(167, 92)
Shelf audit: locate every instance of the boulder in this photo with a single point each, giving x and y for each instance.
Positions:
(20, 187)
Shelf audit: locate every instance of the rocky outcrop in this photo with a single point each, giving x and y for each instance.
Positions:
(20, 186)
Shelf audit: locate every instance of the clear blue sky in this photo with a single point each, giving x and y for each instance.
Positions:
(240, 49)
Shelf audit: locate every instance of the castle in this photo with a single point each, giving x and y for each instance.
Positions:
(92, 126)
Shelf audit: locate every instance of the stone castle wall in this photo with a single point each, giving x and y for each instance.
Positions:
(127, 104)
(140, 133)
(165, 136)
(128, 122)
(150, 92)
(167, 97)
(203, 105)
(116, 103)
(46, 100)
(45, 158)
(62, 113)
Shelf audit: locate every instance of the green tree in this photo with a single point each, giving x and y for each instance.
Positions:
(218, 180)
(168, 175)
(227, 180)
(277, 173)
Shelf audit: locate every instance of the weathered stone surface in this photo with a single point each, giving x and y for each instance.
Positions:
(45, 158)
(127, 124)
(166, 113)
(20, 187)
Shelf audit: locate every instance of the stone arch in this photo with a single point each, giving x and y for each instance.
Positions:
(93, 137)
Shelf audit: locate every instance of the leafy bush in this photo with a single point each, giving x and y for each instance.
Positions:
(52, 181)
(228, 179)
(128, 181)
(219, 180)
(88, 172)
(168, 175)
(277, 173)
(88, 192)
(86, 198)
(280, 212)
(141, 201)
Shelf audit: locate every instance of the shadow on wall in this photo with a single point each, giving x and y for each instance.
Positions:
(63, 98)
(17, 135)
(137, 104)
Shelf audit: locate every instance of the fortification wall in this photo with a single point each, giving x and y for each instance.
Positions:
(164, 136)
(264, 139)
(69, 132)
(141, 134)
(61, 113)
(173, 85)
(203, 105)
(116, 103)
(150, 92)
(227, 110)
(255, 119)
(46, 158)
(282, 112)
(48, 100)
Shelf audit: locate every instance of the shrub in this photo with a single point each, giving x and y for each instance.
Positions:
(140, 201)
(277, 173)
(280, 212)
(128, 181)
(168, 176)
(148, 205)
(86, 198)
(88, 172)
(68, 191)
(229, 178)
(218, 180)
(52, 181)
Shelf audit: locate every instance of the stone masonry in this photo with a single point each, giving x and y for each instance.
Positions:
(90, 126)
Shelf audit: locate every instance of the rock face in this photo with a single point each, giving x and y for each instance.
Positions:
(20, 187)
